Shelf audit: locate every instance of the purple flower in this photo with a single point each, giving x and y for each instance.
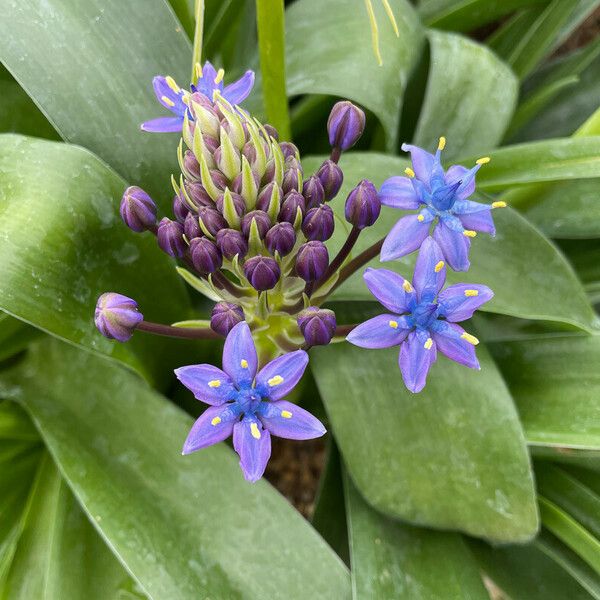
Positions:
(248, 404)
(422, 319)
(441, 198)
(176, 99)
(117, 316)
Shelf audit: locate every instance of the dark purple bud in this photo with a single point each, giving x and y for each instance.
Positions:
(263, 221)
(312, 261)
(269, 172)
(191, 164)
(238, 202)
(266, 195)
(138, 210)
(198, 195)
(345, 125)
(331, 177)
(313, 192)
(210, 142)
(289, 150)
(205, 255)
(249, 150)
(363, 205)
(281, 238)
(317, 325)
(212, 219)
(236, 184)
(180, 209)
(219, 179)
(191, 228)
(170, 237)
(291, 180)
(232, 242)
(262, 272)
(225, 316)
(290, 205)
(271, 131)
(318, 223)
(117, 316)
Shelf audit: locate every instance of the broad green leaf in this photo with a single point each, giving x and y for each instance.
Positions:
(585, 258)
(97, 88)
(15, 336)
(469, 99)
(63, 244)
(15, 424)
(394, 560)
(518, 253)
(452, 456)
(556, 385)
(582, 461)
(184, 527)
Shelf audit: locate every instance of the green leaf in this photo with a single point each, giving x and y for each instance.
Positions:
(15, 336)
(452, 456)
(556, 386)
(394, 560)
(63, 244)
(15, 424)
(517, 253)
(184, 527)
(584, 258)
(97, 88)
(470, 97)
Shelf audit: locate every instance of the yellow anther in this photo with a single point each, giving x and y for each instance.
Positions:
(439, 266)
(420, 218)
(244, 363)
(406, 286)
(275, 380)
(499, 204)
(286, 414)
(215, 421)
(198, 69)
(393, 324)
(185, 99)
(470, 293)
(442, 143)
(428, 344)
(220, 75)
(469, 233)
(171, 83)
(168, 101)
(409, 172)
(470, 338)
(484, 160)
(214, 383)
(255, 431)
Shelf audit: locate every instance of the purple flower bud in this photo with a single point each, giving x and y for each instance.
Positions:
(238, 202)
(363, 205)
(318, 223)
(290, 205)
(262, 272)
(313, 192)
(191, 228)
(117, 316)
(210, 142)
(312, 261)
(281, 238)
(225, 316)
(345, 125)
(212, 219)
(236, 184)
(232, 242)
(198, 195)
(138, 210)
(331, 177)
(206, 257)
(191, 165)
(271, 131)
(249, 151)
(291, 179)
(263, 221)
(266, 195)
(289, 150)
(170, 237)
(269, 172)
(317, 325)
(180, 209)
(219, 179)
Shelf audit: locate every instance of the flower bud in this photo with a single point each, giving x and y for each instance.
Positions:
(266, 195)
(191, 228)
(313, 192)
(291, 179)
(363, 205)
(117, 316)
(271, 131)
(331, 177)
(138, 210)
(289, 150)
(225, 316)
(262, 272)
(170, 237)
(210, 142)
(219, 179)
(280, 238)
(312, 261)
(345, 125)
(290, 205)
(262, 219)
(317, 325)
(237, 183)
(198, 195)
(190, 164)
(269, 173)
(205, 255)
(232, 242)
(180, 209)
(318, 223)
(238, 202)
(212, 219)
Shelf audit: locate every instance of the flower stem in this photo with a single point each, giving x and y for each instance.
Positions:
(344, 330)
(178, 332)
(335, 155)
(222, 281)
(341, 256)
(199, 28)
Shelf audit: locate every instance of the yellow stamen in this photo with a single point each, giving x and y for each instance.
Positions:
(439, 266)
(499, 204)
(484, 160)
(275, 380)
(428, 344)
(168, 101)
(244, 363)
(286, 414)
(171, 83)
(255, 431)
(220, 75)
(409, 172)
(198, 68)
(394, 324)
(185, 99)
(469, 233)
(470, 293)
(214, 383)
(215, 421)
(470, 338)
(442, 143)
(420, 218)
(406, 286)
(391, 17)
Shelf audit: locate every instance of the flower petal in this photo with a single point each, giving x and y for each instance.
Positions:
(405, 237)
(452, 341)
(479, 221)
(239, 354)
(214, 425)
(398, 192)
(458, 302)
(163, 125)
(238, 91)
(253, 444)
(423, 162)
(382, 331)
(288, 420)
(430, 271)
(390, 289)
(277, 378)
(208, 384)
(459, 173)
(417, 354)
(455, 246)
(167, 96)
